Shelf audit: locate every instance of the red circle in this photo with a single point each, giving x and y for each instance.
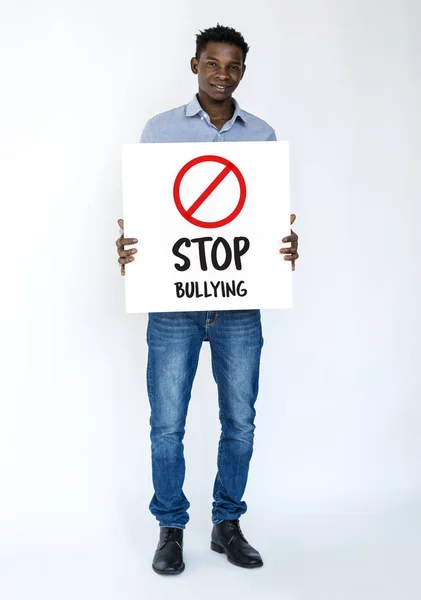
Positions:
(176, 191)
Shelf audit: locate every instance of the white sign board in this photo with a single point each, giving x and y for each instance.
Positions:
(210, 218)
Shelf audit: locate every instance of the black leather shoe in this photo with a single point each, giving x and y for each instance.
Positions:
(168, 559)
(227, 538)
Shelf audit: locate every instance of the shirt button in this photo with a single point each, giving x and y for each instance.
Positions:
(201, 118)
(219, 135)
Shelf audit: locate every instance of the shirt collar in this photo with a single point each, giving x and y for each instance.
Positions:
(194, 108)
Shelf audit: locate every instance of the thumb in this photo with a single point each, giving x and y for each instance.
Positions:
(121, 223)
(293, 217)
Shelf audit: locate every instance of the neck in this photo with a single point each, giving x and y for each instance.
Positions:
(217, 110)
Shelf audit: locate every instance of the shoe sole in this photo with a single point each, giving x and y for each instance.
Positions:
(169, 572)
(220, 550)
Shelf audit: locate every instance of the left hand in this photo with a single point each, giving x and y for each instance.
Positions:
(291, 253)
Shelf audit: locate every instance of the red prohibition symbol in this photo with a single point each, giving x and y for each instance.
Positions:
(229, 168)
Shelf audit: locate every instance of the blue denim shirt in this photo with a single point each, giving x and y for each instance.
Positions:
(190, 123)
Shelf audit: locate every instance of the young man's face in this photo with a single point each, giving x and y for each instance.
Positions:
(220, 69)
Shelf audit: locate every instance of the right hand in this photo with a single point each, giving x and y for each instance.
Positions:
(125, 256)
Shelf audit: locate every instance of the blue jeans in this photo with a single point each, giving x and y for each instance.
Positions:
(174, 341)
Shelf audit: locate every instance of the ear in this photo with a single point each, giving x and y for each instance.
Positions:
(194, 64)
(244, 70)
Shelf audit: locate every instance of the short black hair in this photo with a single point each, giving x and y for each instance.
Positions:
(228, 35)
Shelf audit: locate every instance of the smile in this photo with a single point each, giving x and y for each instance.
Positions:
(220, 87)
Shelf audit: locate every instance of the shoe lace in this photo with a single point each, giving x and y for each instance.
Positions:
(236, 526)
(170, 534)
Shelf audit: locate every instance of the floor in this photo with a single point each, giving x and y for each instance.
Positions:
(347, 557)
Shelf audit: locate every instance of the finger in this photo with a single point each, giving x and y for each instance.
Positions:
(125, 253)
(125, 242)
(291, 257)
(122, 270)
(124, 260)
(290, 250)
(293, 217)
(293, 265)
(121, 223)
(290, 238)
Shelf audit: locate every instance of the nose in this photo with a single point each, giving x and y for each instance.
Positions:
(222, 74)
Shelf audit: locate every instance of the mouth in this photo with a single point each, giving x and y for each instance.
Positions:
(220, 88)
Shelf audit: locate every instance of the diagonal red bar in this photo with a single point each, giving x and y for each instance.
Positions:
(208, 191)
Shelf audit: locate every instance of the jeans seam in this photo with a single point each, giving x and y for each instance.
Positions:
(174, 526)
(148, 384)
(222, 420)
(217, 494)
(213, 322)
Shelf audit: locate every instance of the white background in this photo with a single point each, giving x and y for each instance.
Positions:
(151, 216)
(335, 480)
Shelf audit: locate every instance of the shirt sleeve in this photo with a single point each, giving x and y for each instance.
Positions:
(272, 136)
(147, 134)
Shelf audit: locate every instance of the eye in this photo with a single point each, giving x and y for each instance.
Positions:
(235, 67)
(211, 64)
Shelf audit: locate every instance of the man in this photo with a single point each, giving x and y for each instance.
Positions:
(175, 339)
